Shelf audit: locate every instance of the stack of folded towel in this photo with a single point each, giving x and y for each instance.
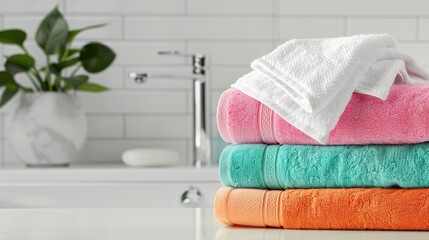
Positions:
(348, 128)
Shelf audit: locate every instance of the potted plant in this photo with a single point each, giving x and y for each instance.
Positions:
(48, 123)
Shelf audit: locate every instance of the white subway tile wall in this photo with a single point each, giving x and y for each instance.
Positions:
(401, 28)
(231, 32)
(310, 27)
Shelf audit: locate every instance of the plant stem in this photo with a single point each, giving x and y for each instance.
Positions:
(76, 70)
(48, 73)
(38, 77)
(57, 83)
(32, 81)
(27, 89)
(36, 72)
(65, 53)
(24, 49)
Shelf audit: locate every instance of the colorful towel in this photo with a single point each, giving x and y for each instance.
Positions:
(310, 81)
(353, 208)
(306, 166)
(402, 119)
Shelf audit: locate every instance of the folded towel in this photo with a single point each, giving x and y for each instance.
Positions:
(247, 233)
(306, 166)
(309, 82)
(313, 71)
(402, 119)
(352, 208)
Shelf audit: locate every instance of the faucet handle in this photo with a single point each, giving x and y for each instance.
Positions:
(191, 197)
(138, 77)
(180, 54)
(175, 53)
(199, 64)
(198, 60)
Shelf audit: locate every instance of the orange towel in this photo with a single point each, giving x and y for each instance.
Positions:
(349, 208)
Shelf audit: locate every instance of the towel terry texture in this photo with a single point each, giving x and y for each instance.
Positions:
(306, 166)
(310, 81)
(352, 208)
(403, 118)
(364, 99)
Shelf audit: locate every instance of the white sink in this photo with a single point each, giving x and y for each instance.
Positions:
(106, 186)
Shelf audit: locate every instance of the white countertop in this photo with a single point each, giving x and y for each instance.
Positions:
(174, 223)
(18, 173)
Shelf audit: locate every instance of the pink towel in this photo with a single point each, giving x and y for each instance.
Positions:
(402, 119)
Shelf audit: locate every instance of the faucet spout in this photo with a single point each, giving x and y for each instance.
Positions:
(201, 139)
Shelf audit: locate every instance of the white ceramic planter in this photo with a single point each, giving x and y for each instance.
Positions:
(48, 129)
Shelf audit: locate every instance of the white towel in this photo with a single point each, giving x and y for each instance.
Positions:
(309, 82)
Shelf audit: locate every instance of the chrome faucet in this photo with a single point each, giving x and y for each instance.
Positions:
(201, 139)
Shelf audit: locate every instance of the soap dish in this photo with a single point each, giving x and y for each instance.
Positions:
(150, 157)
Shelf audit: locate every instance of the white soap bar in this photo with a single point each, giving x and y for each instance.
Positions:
(150, 157)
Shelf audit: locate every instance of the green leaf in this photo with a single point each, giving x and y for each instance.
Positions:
(72, 52)
(60, 50)
(7, 80)
(96, 57)
(27, 90)
(54, 68)
(74, 33)
(64, 53)
(8, 94)
(13, 36)
(67, 87)
(92, 87)
(19, 63)
(52, 32)
(68, 62)
(76, 81)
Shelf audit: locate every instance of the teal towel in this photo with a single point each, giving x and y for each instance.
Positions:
(307, 166)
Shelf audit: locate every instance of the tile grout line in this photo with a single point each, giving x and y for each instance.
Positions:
(124, 78)
(143, 15)
(124, 126)
(123, 30)
(3, 153)
(64, 6)
(217, 15)
(275, 27)
(417, 29)
(131, 114)
(188, 106)
(186, 45)
(3, 145)
(210, 80)
(134, 139)
(187, 159)
(172, 41)
(186, 61)
(345, 25)
(363, 16)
